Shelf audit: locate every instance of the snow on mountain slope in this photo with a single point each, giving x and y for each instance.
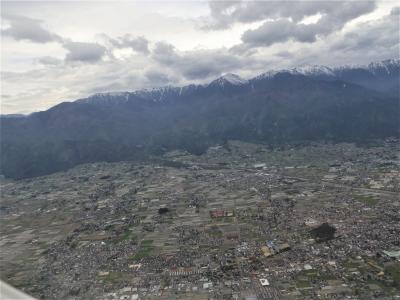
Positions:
(229, 79)
(387, 68)
(309, 70)
(306, 70)
(106, 98)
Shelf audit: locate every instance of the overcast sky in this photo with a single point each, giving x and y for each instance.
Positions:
(64, 50)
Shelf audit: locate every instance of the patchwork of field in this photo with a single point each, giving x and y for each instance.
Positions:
(241, 221)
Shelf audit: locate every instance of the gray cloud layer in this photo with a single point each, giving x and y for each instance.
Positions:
(84, 52)
(23, 28)
(384, 34)
(280, 31)
(49, 61)
(226, 13)
(283, 19)
(196, 64)
(138, 44)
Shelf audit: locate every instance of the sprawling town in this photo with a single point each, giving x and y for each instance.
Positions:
(241, 221)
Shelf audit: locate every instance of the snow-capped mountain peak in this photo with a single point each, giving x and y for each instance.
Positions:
(111, 94)
(306, 70)
(387, 66)
(352, 73)
(229, 78)
(109, 97)
(268, 74)
(313, 70)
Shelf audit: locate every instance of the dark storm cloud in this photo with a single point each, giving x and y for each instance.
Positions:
(196, 64)
(139, 44)
(84, 52)
(23, 28)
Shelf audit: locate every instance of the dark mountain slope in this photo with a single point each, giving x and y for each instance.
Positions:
(284, 108)
(380, 76)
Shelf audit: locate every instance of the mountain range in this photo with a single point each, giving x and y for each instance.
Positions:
(299, 105)
(380, 76)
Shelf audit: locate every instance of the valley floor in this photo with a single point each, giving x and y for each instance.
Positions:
(239, 222)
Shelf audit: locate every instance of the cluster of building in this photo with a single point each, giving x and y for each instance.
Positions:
(243, 222)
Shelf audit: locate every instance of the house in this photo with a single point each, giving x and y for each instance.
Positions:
(264, 281)
(220, 213)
